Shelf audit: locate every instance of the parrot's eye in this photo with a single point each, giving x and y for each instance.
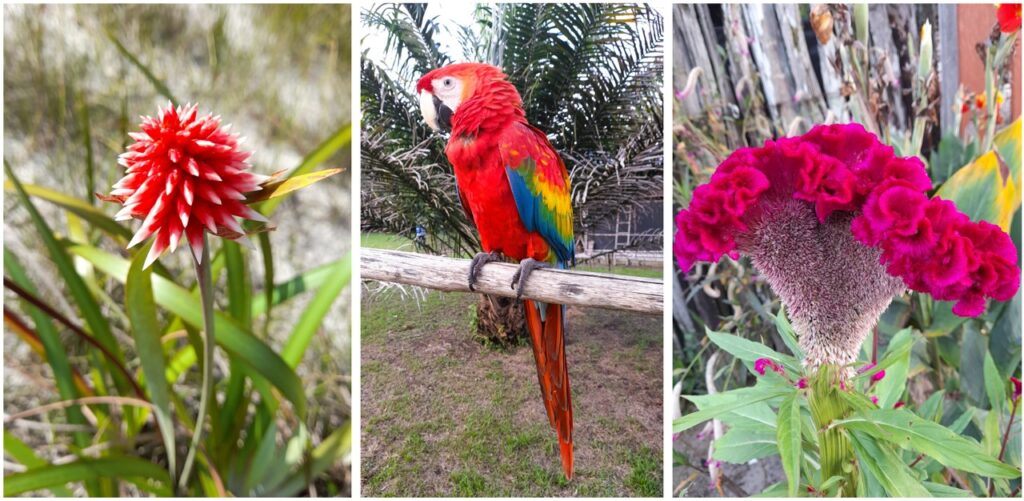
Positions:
(448, 83)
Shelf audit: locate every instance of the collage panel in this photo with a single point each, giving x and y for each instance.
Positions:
(846, 310)
(172, 325)
(502, 144)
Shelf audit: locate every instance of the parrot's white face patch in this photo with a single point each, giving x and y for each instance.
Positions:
(427, 109)
(449, 91)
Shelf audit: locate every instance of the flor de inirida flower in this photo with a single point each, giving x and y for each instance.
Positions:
(838, 226)
(185, 175)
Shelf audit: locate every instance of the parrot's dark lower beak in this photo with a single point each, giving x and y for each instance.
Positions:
(444, 115)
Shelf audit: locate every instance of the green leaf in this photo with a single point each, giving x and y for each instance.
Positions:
(740, 445)
(333, 449)
(87, 305)
(995, 385)
(932, 408)
(146, 333)
(1008, 143)
(749, 351)
(22, 453)
(325, 150)
(160, 86)
(989, 188)
(787, 333)
(776, 490)
(280, 188)
(946, 491)
(240, 344)
(49, 337)
(146, 475)
(305, 281)
(789, 441)
(883, 463)
(743, 397)
(908, 431)
(891, 387)
(314, 314)
(93, 215)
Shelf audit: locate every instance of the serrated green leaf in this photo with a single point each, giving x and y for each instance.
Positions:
(909, 431)
(743, 397)
(749, 351)
(740, 445)
(886, 467)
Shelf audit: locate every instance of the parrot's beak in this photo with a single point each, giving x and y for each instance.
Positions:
(436, 114)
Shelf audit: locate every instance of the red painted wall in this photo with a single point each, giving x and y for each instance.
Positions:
(974, 24)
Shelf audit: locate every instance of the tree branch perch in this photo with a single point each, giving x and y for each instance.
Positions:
(599, 290)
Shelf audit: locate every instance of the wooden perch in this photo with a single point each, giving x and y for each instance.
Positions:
(599, 290)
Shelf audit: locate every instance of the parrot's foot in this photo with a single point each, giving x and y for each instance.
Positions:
(479, 260)
(526, 267)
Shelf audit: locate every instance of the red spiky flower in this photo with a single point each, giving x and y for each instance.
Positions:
(838, 225)
(185, 175)
(1009, 17)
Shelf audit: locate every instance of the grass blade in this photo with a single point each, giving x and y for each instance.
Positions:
(146, 332)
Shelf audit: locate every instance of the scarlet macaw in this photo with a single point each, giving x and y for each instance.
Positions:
(515, 188)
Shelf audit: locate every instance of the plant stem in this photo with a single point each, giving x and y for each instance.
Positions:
(1006, 438)
(834, 446)
(202, 265)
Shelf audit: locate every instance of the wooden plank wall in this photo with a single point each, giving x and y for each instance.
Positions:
(770, 50)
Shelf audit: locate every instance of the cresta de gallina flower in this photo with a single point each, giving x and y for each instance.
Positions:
(185, 175)
(839, 225)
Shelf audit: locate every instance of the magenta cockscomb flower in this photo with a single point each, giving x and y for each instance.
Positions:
(185, 175)
(838, 226)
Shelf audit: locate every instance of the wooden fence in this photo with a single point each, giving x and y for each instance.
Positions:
(770, 52)
(599, 290)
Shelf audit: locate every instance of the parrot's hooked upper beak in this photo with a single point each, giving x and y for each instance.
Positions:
(436, 113)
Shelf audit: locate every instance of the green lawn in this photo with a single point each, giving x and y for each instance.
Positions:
(443, 415)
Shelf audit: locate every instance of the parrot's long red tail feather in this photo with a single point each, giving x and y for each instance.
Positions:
(547, 333)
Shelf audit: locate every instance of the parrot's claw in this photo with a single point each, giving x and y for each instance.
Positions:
(479, 260)
(526, 267)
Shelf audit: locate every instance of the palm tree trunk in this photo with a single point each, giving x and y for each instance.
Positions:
(500, 320)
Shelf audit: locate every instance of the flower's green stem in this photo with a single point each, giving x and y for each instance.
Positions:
(834, 446)
(206, 295)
